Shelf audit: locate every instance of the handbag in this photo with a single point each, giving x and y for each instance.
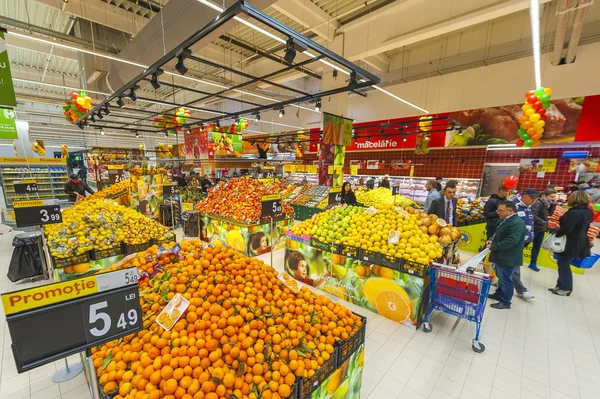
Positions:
(555, 244)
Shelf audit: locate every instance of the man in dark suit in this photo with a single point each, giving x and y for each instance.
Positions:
(445, 207)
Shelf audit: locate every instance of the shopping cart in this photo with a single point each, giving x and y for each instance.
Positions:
(459, 292)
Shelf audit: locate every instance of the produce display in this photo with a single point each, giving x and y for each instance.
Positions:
(244, 334)
(470, 210)
(98, 224)
(310, 195)
(381, 195)
(239, 199)
(401, 232)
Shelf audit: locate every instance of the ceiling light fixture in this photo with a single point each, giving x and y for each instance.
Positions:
(281, 112)
(404, 137)
(154, 81)
(106, 110)
(318, 105)
(257, 117)
(290, 51)
(180, 66)
(121, 103)
(102, 131)
(137, 135)
(100, 114)
(166, 134)
(93, 118)
(132, 95)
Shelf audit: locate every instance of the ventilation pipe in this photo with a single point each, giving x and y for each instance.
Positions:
(580, 13)
(562, 11)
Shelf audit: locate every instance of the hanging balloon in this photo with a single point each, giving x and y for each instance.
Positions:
(425, 123)
(533, 119)
(510, 182)
(39, 148)
(64, 151)
(597, 207)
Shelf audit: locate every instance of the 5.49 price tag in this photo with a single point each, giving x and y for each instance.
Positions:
(271, 205)
(37, 213)
(26, 187)
(111, 316)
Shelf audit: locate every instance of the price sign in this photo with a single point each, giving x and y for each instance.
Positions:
(169, 189)
(26, 187)
(395, 190)
(271, 205)
(335, 195)
(75, 315)
(37, 212)
(115, 173)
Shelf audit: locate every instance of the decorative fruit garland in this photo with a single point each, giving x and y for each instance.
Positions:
(534, 117)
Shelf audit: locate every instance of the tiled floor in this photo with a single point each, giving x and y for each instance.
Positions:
(548, 347)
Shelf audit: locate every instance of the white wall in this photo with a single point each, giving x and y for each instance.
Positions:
(497, 84)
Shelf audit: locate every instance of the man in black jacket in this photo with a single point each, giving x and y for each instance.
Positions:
(541, 210)
(489, 210)
(445, 207)
(76, 188)
(385, 182)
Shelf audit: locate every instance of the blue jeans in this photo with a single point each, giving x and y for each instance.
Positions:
(506, 286)
(538, 238)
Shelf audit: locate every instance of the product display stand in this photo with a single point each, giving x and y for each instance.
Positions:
(68, 372)
(92, 381)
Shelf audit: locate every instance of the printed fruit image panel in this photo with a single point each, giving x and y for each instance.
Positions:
(345, 382)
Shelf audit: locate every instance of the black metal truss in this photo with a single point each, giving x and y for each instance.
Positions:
(359, 77)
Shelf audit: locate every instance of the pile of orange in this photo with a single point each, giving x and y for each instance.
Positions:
(244, 334)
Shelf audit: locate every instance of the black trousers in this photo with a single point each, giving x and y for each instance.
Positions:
(565, 276)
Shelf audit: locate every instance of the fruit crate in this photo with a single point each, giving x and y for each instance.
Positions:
(70, 261)
(346, 348)
(294, 237)
(369, 256)
(324, 246)
(98, 254)
(164, 240)
(308, 385)
(414, 268)
(134, 248)
(350, 251)
(392, 262)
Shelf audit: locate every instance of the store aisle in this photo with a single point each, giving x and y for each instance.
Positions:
(546, 348)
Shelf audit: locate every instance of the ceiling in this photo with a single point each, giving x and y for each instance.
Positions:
(399, 41)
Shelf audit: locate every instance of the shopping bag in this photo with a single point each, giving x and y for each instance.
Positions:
(555, 244)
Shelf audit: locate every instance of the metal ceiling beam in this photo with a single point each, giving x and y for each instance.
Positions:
(102, 13)
(308, 14)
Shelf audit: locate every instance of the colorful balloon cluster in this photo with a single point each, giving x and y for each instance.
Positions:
(236, 128)
(510, 182)
(64, 150)
(172, 123)
(534, 117)
(39, 148)
(80, 104)
(165, 151)
(425, 123)
(596, 209)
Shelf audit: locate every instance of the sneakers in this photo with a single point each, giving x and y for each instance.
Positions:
(526, 295)
(500, 305)
(534, 267)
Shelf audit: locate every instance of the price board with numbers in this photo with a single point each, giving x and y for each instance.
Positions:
(395, 190)
(170, 188)
(335, 195)
(50, 322)
(271, 205)
(115, 173)
(25, 187)
(37, 212)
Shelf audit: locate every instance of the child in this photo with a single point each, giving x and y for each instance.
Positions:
(259, 243)
(299, 266)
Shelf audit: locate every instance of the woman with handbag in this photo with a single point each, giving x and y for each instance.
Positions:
(574, 225)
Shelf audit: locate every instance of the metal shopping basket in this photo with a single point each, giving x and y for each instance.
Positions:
(459, 292)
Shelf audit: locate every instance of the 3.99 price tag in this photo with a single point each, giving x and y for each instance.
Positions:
(37, 213)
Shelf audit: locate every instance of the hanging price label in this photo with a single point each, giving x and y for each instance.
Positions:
(169, 189)
(395, 190)
(335, 196)
(26, 187)
(271, 205)
(37, 212)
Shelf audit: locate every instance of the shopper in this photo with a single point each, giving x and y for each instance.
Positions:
(571, 187)
(541, 211)
(528, 197)
(348, 196)
(582, 185)
(194, 184)
(180, 179)
(205, 184)
(594, 192)
(438, 183)
(371, 183)
(262, 153)
(445, 207)
(506, 248)
(76, 188)
(574, 225)
(82, 172)
(490, 208)
(385, 182)
(432, 194)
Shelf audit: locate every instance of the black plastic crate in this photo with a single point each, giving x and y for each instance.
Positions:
(347, 347)
(134, 248)
(71, 260)
(320, 245)
(98, 254)
(414, 268)
(308, 385)
(369, 256)
(350, 251)
(391, 262)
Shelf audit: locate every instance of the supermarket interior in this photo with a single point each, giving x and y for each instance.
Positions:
(273, 199)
